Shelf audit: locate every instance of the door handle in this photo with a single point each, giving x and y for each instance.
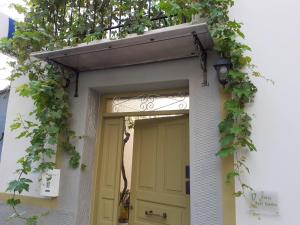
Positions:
(151, 213)
(187, 180)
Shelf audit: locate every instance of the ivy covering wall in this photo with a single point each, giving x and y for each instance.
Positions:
(54, 24)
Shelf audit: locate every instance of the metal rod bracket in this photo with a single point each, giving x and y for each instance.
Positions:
(63, 67)
(202, 56)
(76, 85)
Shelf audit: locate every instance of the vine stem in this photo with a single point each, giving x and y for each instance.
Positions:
(16, 212)
(18, 179)
(240, 171)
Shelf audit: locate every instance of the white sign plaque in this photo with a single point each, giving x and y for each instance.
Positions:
(264, 203)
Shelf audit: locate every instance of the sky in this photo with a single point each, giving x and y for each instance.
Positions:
(4, 69)
(4, 8)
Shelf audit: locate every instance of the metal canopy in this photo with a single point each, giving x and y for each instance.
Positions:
(158, 45)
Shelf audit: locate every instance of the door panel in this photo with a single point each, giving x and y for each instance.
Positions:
(160, 156)
(174, 158)
(147, 169)
(107, 204)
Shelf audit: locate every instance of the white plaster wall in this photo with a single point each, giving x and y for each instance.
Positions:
(4, 25)
(13, 148)
(272, 28)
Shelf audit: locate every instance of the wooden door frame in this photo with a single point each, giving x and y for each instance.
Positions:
(99, 136)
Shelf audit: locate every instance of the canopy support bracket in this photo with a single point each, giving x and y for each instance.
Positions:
(203, 58)
(76, 84)
(76, 72)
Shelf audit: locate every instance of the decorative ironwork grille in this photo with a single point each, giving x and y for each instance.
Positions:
(149, 102)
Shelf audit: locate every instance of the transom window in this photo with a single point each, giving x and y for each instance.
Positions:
(148, 102)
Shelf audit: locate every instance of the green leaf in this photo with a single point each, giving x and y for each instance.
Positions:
(59, 93)
(236, 130)
(226, 151)
(238, 194)
(225, 125)
(231, 175)
(15, 126)
(19, 185)
(22, 134)
(32, 220)
(234, 107)
(24, 90)
(236, 75)
(249, 144)
(74, 160)
(227, 139)
(83, 167)
(13, 202)
(245, 186)
(52, 140)
(53, 130)
(44, 166)
(49, 152)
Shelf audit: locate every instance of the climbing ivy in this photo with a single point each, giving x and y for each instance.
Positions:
(46, 133)
(235, 129)
(53, 24)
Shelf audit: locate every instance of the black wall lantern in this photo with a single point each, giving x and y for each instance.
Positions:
(222, 67)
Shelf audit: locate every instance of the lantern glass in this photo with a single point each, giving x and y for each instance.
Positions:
(223, 70)
(222, 67)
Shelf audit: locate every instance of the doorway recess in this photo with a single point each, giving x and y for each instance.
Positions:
(139, 127)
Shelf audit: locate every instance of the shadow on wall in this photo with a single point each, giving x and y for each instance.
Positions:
(4, 96)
